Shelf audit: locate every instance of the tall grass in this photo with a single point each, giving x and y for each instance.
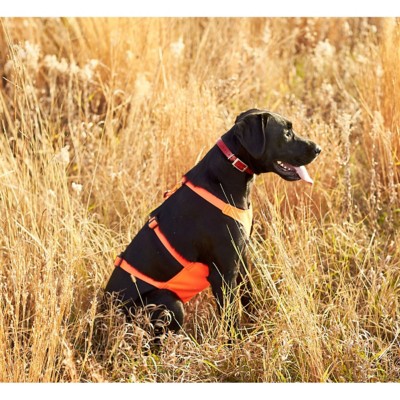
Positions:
(100, 116)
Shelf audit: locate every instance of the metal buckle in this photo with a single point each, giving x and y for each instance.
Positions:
(241, 167)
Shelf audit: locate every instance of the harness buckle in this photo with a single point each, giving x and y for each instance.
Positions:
(118, 260)
(240, 165)
(153, 223)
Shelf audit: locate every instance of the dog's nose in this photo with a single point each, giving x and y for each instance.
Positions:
(317, 150)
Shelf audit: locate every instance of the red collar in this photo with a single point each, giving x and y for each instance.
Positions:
(236, 162)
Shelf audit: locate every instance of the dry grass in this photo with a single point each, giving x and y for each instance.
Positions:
(100, 116)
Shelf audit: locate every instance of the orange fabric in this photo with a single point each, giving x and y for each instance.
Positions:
(245, 217)
(192, 279)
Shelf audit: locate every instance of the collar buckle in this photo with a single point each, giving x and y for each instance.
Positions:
(240, 165)
(236, 162)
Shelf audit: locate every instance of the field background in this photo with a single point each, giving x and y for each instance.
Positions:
(100, 116)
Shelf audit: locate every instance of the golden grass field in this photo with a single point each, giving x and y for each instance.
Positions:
(100, 115)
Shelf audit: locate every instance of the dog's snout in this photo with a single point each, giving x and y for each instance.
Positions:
(317, 149)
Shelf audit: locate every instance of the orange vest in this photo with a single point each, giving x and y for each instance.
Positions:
(192, 279)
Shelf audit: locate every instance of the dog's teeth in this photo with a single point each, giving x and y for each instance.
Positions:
(284, 166)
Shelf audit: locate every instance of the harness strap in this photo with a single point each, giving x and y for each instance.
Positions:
(120, 262)
(245, 217)
(153, 224)
(205, 194)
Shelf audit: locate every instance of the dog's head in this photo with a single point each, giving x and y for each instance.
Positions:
(271, 145)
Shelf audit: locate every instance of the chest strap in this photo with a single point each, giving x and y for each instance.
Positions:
(245, 217)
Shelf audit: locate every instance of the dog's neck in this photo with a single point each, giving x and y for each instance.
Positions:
(217, 175)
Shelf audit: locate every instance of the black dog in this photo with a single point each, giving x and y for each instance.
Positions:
(195, 238)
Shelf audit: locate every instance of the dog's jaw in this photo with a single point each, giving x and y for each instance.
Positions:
(290, 172)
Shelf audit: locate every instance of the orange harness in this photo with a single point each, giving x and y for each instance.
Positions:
(192, 279)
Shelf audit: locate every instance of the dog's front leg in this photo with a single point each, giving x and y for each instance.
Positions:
(224, 287)
(244, 286)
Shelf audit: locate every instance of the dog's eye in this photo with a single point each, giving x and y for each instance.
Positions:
(288, 133)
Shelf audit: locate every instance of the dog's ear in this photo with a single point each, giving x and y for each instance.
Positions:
(244, 114)
(251, 131)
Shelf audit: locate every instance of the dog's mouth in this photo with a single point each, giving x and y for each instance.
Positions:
(292, 173)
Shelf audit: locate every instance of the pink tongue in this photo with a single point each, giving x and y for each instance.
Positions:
(303, 174)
